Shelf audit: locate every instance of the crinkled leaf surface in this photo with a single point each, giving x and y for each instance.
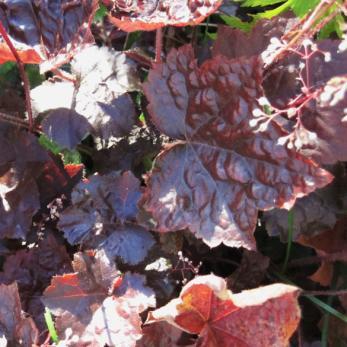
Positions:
(262, 317)
(98, 102)
(154, 14)
(44, 27)
(222, 170)
(17, 329)
(103, 214)
(326, 118)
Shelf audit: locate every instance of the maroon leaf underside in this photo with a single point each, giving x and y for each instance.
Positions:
(152, 14)
(221, 171)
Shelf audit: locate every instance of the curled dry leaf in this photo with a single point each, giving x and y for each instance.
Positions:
(221, 171)
(42, 30)
(97, 103)
(136, 15)
(262, 317)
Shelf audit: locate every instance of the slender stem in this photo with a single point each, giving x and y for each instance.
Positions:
(158, 45)
(24, 77)
(325, 292)
(308, 28)
(290, 238)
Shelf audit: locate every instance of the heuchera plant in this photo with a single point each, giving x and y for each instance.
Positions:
(129, 176)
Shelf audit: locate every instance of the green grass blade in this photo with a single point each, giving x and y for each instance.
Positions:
(50, 326)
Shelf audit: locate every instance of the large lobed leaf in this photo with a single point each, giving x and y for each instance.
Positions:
(136, 15)
(262, 317)
(42, 29)
(222, 170)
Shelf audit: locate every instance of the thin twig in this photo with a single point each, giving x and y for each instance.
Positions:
(308, 28)
(24, 77)
(158, 45)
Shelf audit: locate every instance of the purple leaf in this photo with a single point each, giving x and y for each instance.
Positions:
(222, 171)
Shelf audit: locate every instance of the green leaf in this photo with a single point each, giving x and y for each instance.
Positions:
(212, 36)
(235, 22)
(301, 8)
(48, 144)
(33, 72)
(274, 12)
(255, 3)
(100, 13)
(71, 157)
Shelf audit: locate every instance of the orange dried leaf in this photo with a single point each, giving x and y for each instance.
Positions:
(261, 317)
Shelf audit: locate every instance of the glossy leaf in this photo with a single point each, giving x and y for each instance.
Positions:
(97, 103)
(222, 170)
(41, 30)
(266, 316)
(150, 14)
